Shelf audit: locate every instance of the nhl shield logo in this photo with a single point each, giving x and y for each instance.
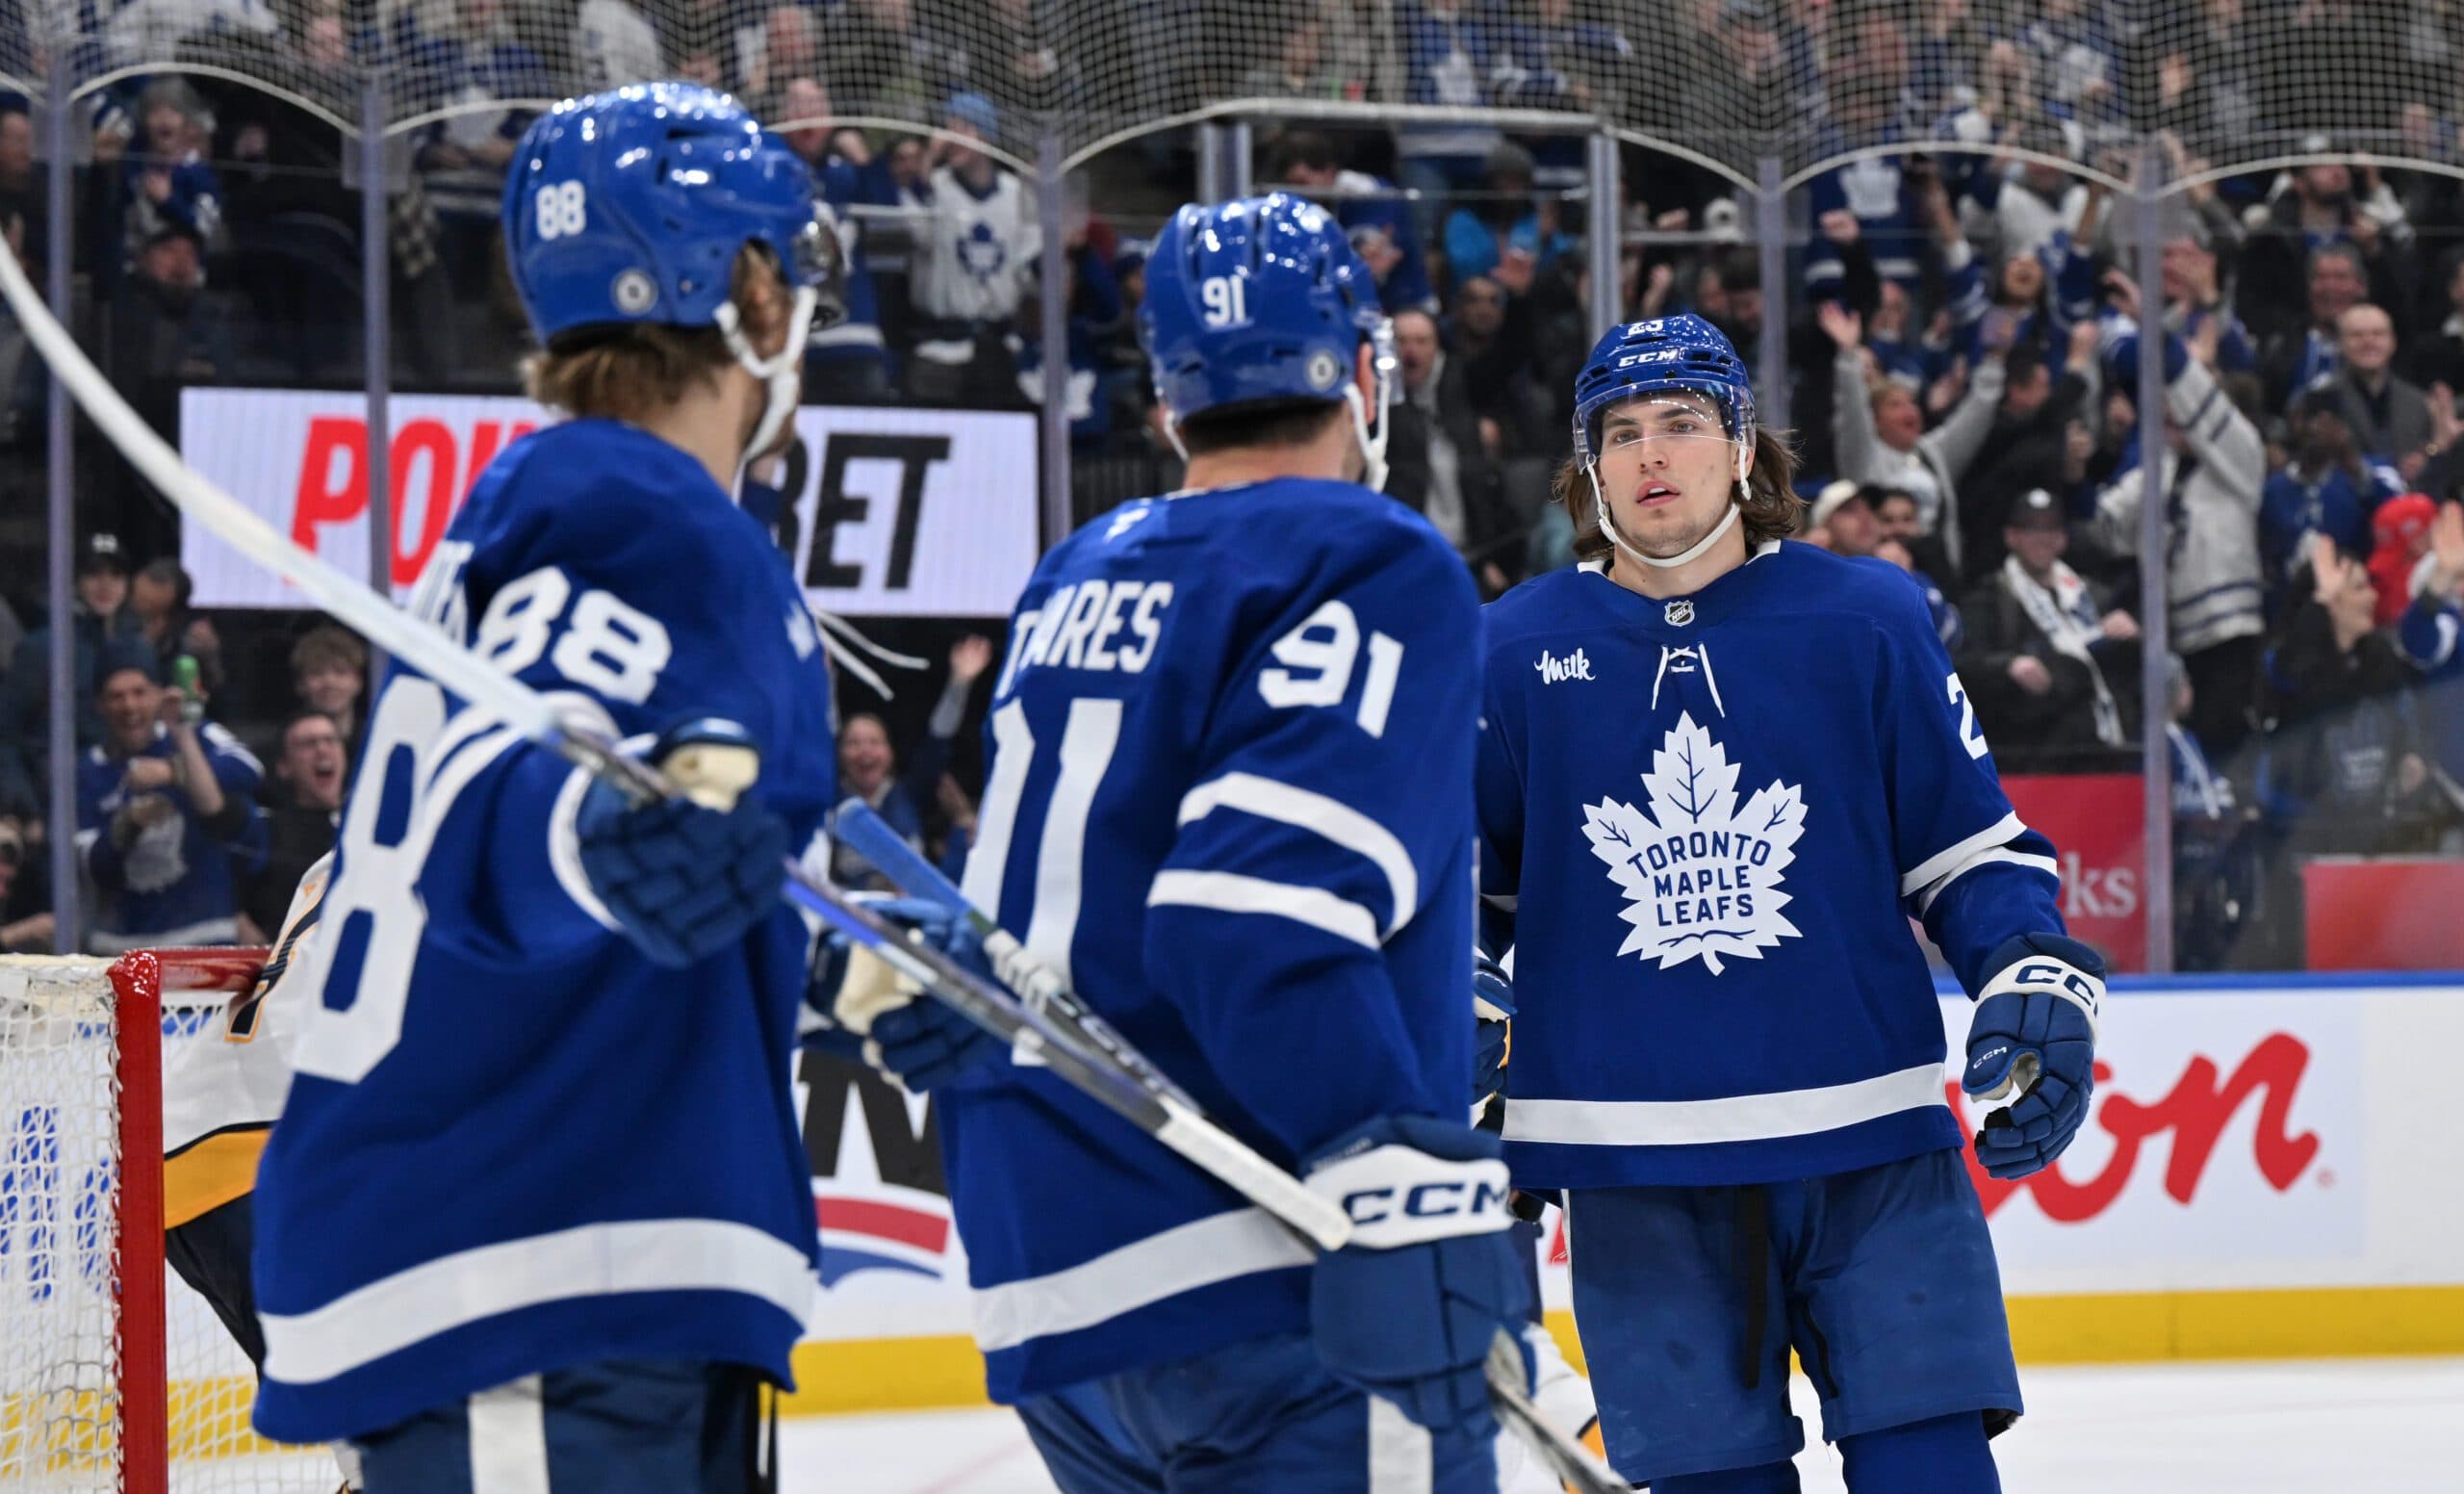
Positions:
(1702, 876)
(1680, 613)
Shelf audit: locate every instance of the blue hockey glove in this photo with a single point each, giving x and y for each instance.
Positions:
(906, 1034)
(685, 880)
(2032, 1050)
(1411, 1308)
(1492, 1033)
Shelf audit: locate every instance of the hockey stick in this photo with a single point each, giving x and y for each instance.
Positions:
(1068, 1053)
(1040, 986)
(857, 825)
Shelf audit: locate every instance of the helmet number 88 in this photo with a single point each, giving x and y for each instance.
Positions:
(560, 210)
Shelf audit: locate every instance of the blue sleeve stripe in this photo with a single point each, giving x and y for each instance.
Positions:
(2204, 405)
(2229, 588)
(2000, 855)
(1330, 818)
(1225, 891)
(1945, 863)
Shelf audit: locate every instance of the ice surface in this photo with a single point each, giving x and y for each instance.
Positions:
(2384, 1426)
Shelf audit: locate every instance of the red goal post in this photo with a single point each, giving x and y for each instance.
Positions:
(113, 1374)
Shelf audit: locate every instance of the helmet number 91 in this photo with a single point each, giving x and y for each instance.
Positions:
(1226, 301)
(560, 210)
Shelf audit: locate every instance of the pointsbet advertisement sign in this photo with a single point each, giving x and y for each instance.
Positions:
(891, 512)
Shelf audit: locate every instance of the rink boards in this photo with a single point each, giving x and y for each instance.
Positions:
(2267, 1172)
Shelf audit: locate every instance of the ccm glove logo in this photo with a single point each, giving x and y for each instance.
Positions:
(2077, 985)
(2036, 973)
(1423, 1201)
(1394, 1196)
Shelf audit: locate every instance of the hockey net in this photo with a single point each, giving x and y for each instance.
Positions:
(113, 1375)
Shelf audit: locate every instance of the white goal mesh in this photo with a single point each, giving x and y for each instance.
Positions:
(113, 1375)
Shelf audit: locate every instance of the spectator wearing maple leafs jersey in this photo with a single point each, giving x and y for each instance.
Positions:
(973, 248)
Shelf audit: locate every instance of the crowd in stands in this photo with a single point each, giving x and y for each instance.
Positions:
(182, 838)
(1962, 348)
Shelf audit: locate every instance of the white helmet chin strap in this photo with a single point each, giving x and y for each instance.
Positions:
(780, 374)
(1692, 553)
(1372, 440)
(1371, 433)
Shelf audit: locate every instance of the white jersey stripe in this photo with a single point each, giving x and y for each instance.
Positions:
(411, 1306)
(1737, 1118)
(219, 737)
(1315, 812)
(1400, 1457)
(508, 1429)
(1998, 855)
(1227, 891)
(1181, 1259)
(2000, 833)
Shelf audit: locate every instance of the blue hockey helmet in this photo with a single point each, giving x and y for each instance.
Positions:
(1680, 354)
(631, 206)
(1261, 299)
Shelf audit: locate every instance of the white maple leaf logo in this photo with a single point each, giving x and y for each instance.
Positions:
(1701, 877)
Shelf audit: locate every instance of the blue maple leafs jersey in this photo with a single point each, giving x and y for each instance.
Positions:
(1704, 826)
(513, 1145)
(175, 883)
(1229, 795)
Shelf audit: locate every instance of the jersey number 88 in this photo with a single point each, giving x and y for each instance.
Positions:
(419, 757)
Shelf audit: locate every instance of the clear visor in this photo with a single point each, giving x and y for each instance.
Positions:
(1671, 415)
(1383, 361)
(817, 261)
(815, 248)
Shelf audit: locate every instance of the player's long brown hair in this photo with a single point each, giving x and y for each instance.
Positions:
(626, 371)
(1771, 509)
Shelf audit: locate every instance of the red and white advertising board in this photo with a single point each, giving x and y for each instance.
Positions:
(2382, 912)
(2097, 823)
(893, 512)
(2226, 1128)
(2263, 1139)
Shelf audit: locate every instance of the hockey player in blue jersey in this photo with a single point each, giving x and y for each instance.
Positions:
(1720, 773)
(1229, 796)
(537, 1215)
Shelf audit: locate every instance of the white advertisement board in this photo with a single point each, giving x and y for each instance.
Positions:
(892, 512)
(2273, 1139)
